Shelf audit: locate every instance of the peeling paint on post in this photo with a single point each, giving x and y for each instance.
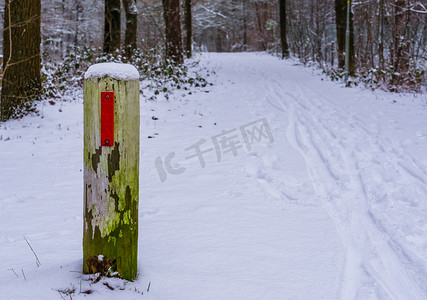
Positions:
(111, 173)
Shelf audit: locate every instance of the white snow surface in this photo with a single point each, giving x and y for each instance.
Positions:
(117, 71)
(334, 208)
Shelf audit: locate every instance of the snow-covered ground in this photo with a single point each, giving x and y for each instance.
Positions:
(304, 190)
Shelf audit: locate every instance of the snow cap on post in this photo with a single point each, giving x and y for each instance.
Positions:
(118, 71)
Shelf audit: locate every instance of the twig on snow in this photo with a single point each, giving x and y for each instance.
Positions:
(38, 263)
(108, 286)
(61, 295)
(14, 272)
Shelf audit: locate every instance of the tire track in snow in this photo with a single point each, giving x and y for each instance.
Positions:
(402, 159)
(405, 170)
(354, 221)
(316, 164)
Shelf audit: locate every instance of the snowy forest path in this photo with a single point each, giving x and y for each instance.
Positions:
(332, 205)
(341, 152)
(333, 156)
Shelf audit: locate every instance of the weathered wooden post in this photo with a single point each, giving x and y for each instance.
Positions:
(111, 170)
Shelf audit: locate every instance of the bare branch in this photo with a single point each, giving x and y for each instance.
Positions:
(10, 44)
(37, 259)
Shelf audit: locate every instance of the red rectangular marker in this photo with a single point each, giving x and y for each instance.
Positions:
(107, 118)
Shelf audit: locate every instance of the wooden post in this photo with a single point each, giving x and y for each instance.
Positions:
(111, 172)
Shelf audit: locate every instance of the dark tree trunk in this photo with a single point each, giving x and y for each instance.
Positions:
(112, 26)
(400, 47)
(245, 26)
(173, 30)
(131, 25)
(188, 27)
(283, 39)
(21, 51)
(352, 60)
(381, 35)
(340, 21)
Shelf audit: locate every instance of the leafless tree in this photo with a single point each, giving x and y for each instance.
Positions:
(21, 77)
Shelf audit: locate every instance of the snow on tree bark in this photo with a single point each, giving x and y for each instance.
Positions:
(173, 30)
(131, 12)
(399, 53)
(188, 22)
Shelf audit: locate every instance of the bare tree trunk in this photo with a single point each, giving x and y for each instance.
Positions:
(79, 10)
(259, 15)
(131, 25)
(21, 80)
(112, 34)
(332, 54)
(318, 37)
(283, 38)
(381, 35)
(341, 20)
(369, 42)
(245, 27)
(188, 28)
(352, 60)
(400, 46)
(173, 30)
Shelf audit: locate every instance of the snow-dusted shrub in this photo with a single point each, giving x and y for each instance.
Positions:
(61, 78)
(387, 78)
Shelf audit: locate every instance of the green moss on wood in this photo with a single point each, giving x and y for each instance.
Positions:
(111, 176)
